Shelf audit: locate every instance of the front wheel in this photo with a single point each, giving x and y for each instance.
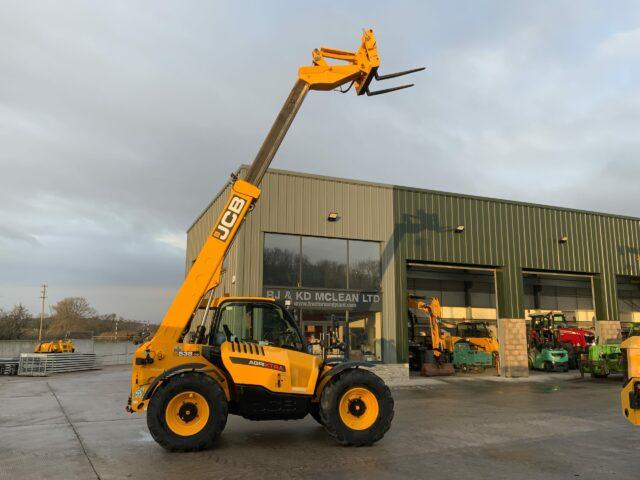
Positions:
(314, 411)
(356, 407)
(188, 413)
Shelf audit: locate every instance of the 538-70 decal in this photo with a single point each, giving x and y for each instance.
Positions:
(257, 363)
(229, 218)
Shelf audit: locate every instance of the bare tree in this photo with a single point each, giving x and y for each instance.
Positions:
(70, 314)
(14, 324)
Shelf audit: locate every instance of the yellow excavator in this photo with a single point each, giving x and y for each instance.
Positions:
(433, 358)
(212, 356)
(476, 333)
(630, 395)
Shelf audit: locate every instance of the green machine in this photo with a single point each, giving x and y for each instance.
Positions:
(549, 360)
(467, 357)
(602, 360)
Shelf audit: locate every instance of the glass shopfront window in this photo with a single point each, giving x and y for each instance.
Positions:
(364, 265)
(281, 259)
(319, 262)
(334, 285)
(324, 262)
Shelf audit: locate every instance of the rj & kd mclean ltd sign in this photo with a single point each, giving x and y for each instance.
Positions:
(335, 299)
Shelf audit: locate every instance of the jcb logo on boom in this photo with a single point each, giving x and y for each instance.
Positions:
(229, 218)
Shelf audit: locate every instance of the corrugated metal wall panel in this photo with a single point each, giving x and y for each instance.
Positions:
(513, 237)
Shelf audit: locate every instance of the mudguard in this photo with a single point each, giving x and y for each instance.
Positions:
(340, 367)
(186, 367)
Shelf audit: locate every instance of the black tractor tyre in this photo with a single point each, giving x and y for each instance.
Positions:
(314, 411)
(572, 354)
(218, 411)
(330, 404)
(548, 366)
(599, 375)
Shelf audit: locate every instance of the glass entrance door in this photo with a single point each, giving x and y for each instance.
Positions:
(325, 328)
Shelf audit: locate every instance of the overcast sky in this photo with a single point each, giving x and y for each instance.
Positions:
(119, 121)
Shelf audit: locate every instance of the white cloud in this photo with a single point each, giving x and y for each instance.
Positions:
(173, 239)
(621, 45)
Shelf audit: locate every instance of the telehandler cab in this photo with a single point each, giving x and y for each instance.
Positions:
(217, 355)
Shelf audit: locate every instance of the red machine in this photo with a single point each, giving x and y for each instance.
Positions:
(551, 329)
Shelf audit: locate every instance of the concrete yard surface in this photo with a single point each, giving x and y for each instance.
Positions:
(74, 426)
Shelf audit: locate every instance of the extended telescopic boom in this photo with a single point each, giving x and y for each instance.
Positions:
(358, 69)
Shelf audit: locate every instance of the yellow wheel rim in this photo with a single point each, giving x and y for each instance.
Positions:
(358, 408)
(187, 413)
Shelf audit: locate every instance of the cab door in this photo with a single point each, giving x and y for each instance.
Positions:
(260, 345)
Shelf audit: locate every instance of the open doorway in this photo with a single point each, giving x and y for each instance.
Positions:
(629, 304)
(466, 321)
(465, 294)
(571, 295)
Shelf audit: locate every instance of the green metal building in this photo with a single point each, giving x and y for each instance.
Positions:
(347, 252)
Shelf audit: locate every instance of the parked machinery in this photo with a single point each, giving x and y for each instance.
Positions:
(544, 350)
(552, 331)
(549, 359)
(631, 330)
(427, 347)
(473, 346)
(59, 346)
(602, 360)
(215, 355)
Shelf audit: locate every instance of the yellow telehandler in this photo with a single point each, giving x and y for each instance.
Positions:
(217, 355)
(630, 394)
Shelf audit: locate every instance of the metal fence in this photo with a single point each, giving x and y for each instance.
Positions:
(43, 364)
(9, 365)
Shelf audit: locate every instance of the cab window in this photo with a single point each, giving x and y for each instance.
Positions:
(262, 323)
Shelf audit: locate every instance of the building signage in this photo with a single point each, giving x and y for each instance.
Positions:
(327, 299)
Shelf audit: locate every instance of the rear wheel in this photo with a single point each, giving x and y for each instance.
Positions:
(188, 413)
(356, 407)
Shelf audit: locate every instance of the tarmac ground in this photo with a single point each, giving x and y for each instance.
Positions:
(74, 426)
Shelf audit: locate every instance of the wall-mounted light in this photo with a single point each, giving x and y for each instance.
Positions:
(563, 239)
(459, 229)
(332, 217)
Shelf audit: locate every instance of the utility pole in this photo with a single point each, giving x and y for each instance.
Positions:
(43, 296)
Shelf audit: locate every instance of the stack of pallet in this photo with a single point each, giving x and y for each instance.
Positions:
(43, 364)
(9, 365)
